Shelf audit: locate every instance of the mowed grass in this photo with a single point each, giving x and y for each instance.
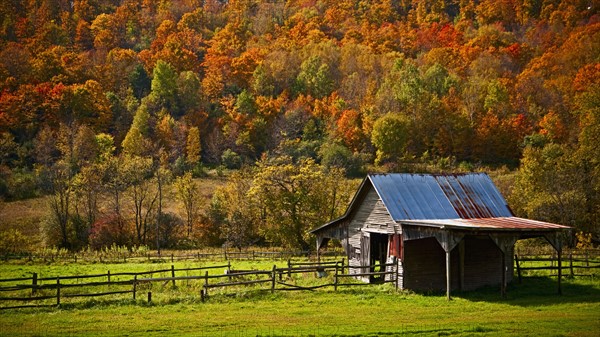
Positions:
(532, 308)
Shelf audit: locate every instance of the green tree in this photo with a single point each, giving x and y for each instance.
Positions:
(314, 78)
(164, 85)
(390, 137)
(549, 186)
(293, 198)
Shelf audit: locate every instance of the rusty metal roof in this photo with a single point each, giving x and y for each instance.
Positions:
(448, 196)
(460, 201)
(501, 223)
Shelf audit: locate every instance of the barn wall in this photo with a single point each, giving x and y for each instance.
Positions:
(483, 263)
(371, 214)
(425, 265)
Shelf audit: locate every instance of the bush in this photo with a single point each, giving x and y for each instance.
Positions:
(108, 231)
(231, 159)
(13, 242)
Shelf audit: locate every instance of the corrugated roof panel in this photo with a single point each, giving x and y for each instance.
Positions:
(486, 189)
(479, 201)
(419, 196)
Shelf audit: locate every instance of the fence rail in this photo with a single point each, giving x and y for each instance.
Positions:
(575, 264)
(124, 257)
(230, 278)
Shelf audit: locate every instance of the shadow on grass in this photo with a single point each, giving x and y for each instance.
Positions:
(538, 291)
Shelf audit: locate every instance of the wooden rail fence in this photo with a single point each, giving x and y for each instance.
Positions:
(574, 264)
(124, 257)
(230, 278)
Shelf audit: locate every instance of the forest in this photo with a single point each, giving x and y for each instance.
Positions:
(107, 106)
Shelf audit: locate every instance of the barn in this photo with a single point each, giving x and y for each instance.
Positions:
(446, 231)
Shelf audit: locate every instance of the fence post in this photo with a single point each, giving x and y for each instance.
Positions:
(289, 268)
(225, 254)
(571, 264)
(172, 258)
(206, 284)
(34, 283)
(343, 263)
(173, 274)
(518, 267)
(149, 296)
(273, 279)
(134, 285)
(108, 274)
(335, 278)
(397, 265)
(57, 291)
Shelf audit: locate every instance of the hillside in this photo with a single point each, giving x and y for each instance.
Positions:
(108, 99)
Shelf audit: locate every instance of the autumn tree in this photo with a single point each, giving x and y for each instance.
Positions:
(236, 216)
(188, 193)
(293, 198)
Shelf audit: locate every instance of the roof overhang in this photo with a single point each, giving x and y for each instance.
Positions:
(501, 224)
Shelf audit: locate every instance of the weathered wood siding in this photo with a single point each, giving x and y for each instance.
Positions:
(425, 265)
(370, 215)
(483, 263)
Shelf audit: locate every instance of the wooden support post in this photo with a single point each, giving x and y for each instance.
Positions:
(289, 268)
(202, 295)
(448, 279)
(343, 265)
(503, 282)
(273, 279)
(149, 296)
(134, 286)
(461, 265)
(518, 268)
(57, 291)
(108, 276)
(34, 281)
(172, 258)
(558, 251)
(173, 274)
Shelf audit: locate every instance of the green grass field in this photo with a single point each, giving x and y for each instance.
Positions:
(531, 309)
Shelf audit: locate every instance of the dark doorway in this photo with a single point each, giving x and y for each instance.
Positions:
(378, 249)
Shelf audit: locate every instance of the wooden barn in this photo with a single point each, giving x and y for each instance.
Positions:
(445, 231)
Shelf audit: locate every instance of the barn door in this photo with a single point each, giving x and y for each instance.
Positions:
(365, 256)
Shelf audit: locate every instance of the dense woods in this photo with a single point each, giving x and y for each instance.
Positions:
(105, 105)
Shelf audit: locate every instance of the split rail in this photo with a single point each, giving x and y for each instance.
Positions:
(52, 291)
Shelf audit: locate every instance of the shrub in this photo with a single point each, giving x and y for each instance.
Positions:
(231, 159)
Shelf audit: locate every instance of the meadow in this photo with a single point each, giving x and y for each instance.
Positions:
(531, 308)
